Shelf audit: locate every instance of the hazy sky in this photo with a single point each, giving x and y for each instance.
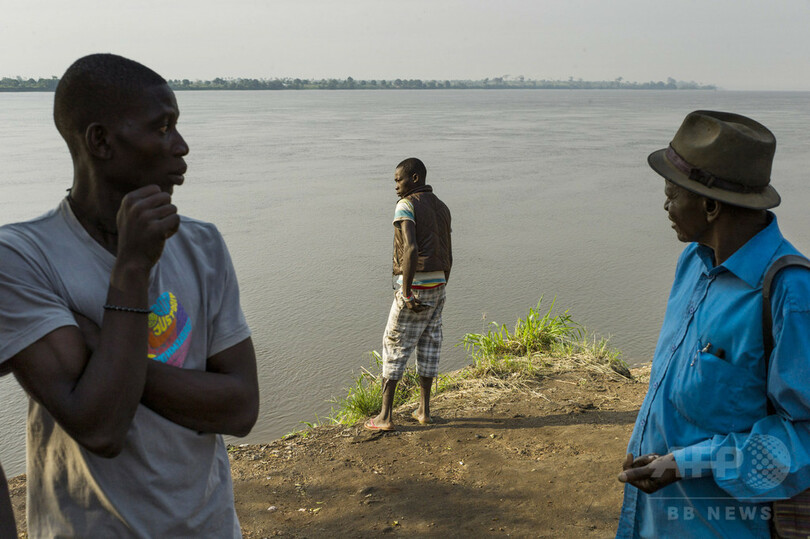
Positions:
(736, 44)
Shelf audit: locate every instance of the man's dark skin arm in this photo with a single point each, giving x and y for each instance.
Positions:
(8, 527)
(649, 473)
(450, 252)
(410, 253)
(447, 272)
(223, 399)
(93, 394)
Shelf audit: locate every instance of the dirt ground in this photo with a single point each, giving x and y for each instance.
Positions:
(536, 462)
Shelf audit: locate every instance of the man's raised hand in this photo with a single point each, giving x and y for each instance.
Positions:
(146, 219)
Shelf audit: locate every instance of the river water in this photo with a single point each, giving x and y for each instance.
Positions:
(550, 193)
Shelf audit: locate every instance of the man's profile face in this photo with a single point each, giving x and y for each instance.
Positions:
(404, 182)
(686, 211)
(147, 148)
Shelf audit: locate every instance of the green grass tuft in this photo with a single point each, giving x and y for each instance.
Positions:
(539, 341)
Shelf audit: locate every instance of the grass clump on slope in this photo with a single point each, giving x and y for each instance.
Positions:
(539, 344)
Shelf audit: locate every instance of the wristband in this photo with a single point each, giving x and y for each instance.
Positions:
(109, 307)
(408, 299)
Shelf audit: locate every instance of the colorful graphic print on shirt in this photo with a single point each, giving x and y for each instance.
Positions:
(169, 331)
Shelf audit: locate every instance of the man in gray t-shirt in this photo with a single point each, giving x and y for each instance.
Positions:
(121, 319)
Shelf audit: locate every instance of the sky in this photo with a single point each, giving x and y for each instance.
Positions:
(734, 44)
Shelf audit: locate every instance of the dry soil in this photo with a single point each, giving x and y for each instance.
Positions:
(536, 461)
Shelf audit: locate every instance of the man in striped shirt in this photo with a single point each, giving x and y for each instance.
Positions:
(423, 258)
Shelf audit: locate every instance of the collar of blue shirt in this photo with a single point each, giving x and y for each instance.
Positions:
(750, 261)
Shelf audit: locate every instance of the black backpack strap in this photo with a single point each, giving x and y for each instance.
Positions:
(767, 319)
(767, 282)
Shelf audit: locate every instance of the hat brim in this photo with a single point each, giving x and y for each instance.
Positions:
(764, 200)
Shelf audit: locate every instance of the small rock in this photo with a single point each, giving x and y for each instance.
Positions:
(272, 508)
(621, 369)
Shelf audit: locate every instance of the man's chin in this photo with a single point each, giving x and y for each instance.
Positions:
(682, 237)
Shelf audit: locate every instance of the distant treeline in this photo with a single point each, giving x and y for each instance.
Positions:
(19, 84)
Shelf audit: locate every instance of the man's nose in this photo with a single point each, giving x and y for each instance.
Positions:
(180, 147)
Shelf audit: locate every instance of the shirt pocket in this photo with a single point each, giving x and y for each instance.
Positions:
(718, 396)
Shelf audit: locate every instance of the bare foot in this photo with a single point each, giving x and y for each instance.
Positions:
(421, 417)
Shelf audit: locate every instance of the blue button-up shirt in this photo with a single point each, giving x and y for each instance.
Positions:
(707, 401)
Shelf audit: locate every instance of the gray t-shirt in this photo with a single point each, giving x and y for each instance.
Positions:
(169, 481)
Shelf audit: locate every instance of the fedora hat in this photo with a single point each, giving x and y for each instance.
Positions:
(723, 156)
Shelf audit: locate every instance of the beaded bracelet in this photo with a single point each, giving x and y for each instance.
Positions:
(408, 299)
(109, 307)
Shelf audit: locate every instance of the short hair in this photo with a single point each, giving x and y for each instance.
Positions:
(411, 166)
(95, 88)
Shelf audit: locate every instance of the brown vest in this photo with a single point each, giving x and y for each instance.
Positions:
(432, 233)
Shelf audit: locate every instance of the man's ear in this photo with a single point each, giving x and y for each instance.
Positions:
(712, 208)
(97, 140)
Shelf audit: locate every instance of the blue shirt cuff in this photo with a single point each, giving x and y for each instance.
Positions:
(694, 461)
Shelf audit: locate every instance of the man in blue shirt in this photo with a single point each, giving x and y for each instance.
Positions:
(705, 458)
